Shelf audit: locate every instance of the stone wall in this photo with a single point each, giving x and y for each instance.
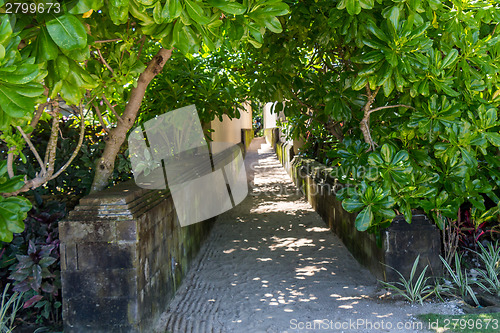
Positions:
(285, 154)
(271, 135)
(123, 255)
(247, 135)
(400, 243)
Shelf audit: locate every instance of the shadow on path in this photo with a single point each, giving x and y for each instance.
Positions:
(271, 265)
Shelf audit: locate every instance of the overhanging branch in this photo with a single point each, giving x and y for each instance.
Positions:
(33, 150)
(78, 146)
(390, 107)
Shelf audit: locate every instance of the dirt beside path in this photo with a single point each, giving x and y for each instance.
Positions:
(271, 265)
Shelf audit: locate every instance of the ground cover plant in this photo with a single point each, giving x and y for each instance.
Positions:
(413, 290)
(9, 306)
(31, 264)
(475, 285)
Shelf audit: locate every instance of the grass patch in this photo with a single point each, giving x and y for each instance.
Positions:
(473, 323)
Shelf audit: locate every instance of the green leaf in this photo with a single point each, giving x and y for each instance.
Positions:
(468, 158)
(5, 29)
(3, 170)
(370, 26)
(450, 58)
(67, 32)
(352, 205)
(208, 42)
(366, 4)
(70, 93)
(364, 219)
(171, 10)
(14, 104)
(159, 15)
(5, 233)
(387, 152)
(441, 198)
(368, 57)
(385, 75)
(16, 225)
(11, 185)
(375, 159)
(479, 204)
(196, 12)
(8, 213)
(401, 155)
(118, 11)
(388, 86)
(353, 7)
(359, 82)
(61, 67)
(83, 6)
(273, 24)
(46, 48)
(392, 58)
(272, 9)
(388, 214)
(24, 74)
(231, 7)
(13, 211)
(494, 138)
(394, 17)
(139, 12)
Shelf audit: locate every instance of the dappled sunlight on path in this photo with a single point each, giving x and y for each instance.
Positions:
(271, 265)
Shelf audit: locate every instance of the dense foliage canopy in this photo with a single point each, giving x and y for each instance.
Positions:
(96, 58)
(401, 96)
(407, 92)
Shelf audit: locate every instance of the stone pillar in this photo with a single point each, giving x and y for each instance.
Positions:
(123, 255)
(403, 242)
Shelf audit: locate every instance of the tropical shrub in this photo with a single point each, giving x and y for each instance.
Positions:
(417, 81)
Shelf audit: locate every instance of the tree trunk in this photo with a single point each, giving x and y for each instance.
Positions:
(364, 124)
(116, 136)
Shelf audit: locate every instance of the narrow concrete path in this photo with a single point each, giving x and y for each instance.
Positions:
(271, 265)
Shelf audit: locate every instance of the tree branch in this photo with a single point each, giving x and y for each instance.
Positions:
(38, 114)
(107, 41)
(78, 146)
(33, 123)
(52, 144)
(142, 40)
(390, 107)
(10, 162)
(364, 125)
(33, 150)
(112, 108)
(104, 62)
(117, 135)
(99, 115)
